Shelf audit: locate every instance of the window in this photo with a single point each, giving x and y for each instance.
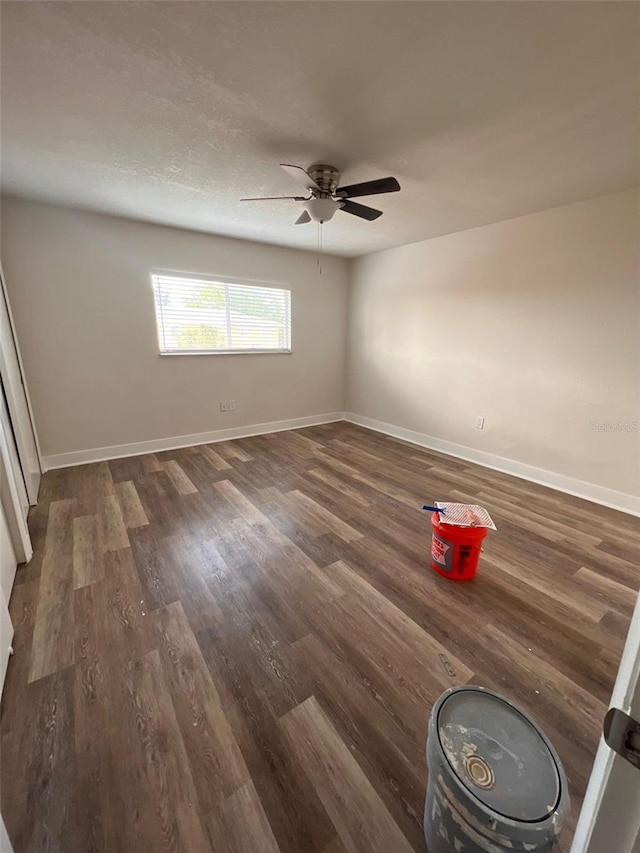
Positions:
(198, 315)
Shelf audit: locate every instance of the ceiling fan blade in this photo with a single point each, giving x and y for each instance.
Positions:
(382, 185)
(300, 175)
(361, 210)
(303, 218)
(277, 198)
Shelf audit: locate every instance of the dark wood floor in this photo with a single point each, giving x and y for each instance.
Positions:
(236, 647)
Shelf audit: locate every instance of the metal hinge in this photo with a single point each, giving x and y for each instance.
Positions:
(622, 734)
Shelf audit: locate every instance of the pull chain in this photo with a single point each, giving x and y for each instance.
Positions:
(319, 248)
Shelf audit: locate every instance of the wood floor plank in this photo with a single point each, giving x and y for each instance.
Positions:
(133, 513)
(161, 503)
(391, 620)
(323, 548)
(199, 469)
(259, 639)
(374, 482)
(565, 592)
(39, 791)
(307, 523)
(242, 504)
(335, 846)
(154, 567)
(360, 817)
(359, 704)
(269, 547)
(232, 450)
(303, 439)
(101, 815)
(550, 528)
(335, 482)
(197, 568)
(332, 523)
(286, 565)
(363, 457)
(133, 466)
(52, 647)
(608, 591)
(267, 585)
(113, 530)
(162, 806)
(87, 550)
(216, 762)
(297, 817)
(89, 485)
(569, 700)
(111, 621)
(218, 461)
(236, 647)
(246, 828)
(182, 483)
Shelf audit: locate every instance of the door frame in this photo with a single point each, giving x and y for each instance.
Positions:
(613, 791)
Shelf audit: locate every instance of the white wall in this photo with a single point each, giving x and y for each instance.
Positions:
(81, 296)
(532, 323)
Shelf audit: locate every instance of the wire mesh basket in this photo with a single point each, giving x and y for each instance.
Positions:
(465, 515)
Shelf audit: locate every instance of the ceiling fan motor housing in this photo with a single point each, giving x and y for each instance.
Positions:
(326, 177)
(322, 206)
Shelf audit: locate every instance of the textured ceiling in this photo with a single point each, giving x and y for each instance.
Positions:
(171, 111)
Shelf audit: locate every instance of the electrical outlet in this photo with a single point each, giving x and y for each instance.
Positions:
(224, 406)
(232, 405)
(479, 422)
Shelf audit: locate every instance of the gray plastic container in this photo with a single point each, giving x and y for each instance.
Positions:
(496, 784)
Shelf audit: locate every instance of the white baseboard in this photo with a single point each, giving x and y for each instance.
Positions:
(589, 491)
(99, 454)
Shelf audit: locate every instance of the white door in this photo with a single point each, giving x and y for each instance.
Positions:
(8, 561)
(12, 491)
(7, 572)
(5, 844)
(610, 816)
(18, 404)
(13, 460)
(6, 636)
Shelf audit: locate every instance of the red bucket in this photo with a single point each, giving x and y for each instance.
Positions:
(455, 551)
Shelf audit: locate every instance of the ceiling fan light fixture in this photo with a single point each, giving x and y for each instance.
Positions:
(326, 196)
(321, 209)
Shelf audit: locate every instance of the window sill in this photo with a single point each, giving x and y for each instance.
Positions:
(229, 352)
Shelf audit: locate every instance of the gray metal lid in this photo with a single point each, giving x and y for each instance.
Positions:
(499, 755)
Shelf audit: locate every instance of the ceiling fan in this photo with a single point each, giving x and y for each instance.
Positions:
(326, 197)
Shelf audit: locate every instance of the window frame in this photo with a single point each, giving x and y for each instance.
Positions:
(225, 280)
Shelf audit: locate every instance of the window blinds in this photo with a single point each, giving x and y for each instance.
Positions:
(204, 315)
